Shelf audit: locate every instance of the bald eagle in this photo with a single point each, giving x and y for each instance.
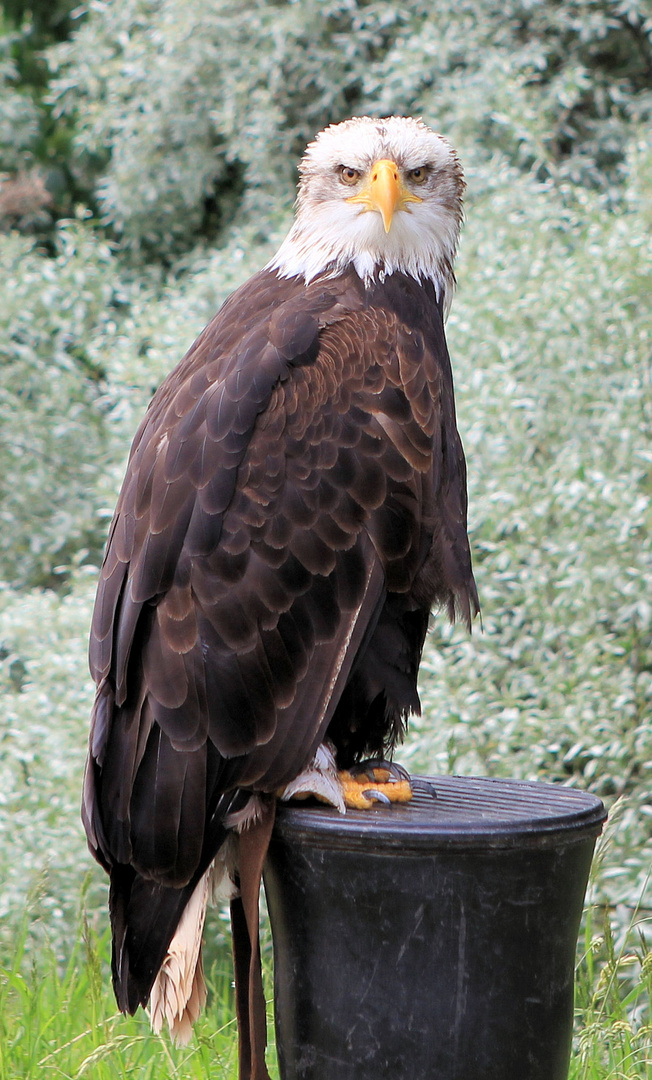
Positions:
(294, 506)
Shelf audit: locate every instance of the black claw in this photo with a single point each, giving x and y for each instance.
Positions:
(366, 768)
(399, 772)
(423, 785)
(377, 796)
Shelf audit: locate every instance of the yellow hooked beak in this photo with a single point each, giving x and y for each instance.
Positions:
(385, 192)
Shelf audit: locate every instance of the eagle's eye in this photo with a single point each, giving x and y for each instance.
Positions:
(349, 175)
(419, 175)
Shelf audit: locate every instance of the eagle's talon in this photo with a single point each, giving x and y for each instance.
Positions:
(376, 796)
(372, 781)
(390, 771)
(424, 786)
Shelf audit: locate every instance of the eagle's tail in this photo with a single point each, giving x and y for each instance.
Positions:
(144, 917)
(145, 914)
(157, 932)
(179, 991)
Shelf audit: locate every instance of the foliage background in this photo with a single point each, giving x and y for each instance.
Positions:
(147, 167)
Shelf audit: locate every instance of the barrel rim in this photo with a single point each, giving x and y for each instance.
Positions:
(561, 816)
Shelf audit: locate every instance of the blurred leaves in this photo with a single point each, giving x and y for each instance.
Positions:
(550, 335)
(188, 113)
(46, 696)
(53, 402)
(167, 133)
(18, 112)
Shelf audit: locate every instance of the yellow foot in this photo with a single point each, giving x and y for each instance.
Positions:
(375, 782)
(358, 788)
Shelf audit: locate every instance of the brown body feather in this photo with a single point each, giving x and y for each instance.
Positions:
(294, 505)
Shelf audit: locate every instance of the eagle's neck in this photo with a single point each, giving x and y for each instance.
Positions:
(309, 251)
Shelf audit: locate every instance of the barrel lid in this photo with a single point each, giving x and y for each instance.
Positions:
(468, 812)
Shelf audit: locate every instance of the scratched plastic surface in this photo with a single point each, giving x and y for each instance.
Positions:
(430, 942)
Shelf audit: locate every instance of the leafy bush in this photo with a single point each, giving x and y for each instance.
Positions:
(550, 336)
(183, 105)
(550, 340)
(54, 409)
(554, 87)
(46, 696)
(18, 113)
(188, 112)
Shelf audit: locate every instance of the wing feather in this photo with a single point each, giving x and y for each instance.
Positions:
(293, 505)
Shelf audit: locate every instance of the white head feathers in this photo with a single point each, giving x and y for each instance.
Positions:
(334, 227)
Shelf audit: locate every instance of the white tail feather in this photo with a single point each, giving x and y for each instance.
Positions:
(179, 991)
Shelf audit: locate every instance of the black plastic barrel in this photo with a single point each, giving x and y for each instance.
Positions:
(434, 941)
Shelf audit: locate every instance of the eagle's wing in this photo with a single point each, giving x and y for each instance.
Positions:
(286, 481)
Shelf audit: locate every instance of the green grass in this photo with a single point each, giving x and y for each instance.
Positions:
(60, 1020)
(613, 993)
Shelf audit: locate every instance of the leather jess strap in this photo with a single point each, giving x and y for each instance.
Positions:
(250, 999)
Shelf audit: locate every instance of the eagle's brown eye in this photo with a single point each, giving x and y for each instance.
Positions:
(349, 175)
(418, 175)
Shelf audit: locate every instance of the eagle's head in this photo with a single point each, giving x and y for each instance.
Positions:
(383, 195)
